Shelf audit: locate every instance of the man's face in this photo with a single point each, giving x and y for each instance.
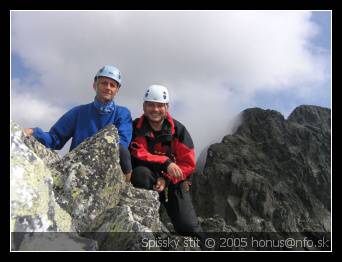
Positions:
(106, 89)
(155, 112)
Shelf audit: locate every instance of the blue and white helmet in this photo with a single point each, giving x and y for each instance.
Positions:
(157, 93)
(110, 72)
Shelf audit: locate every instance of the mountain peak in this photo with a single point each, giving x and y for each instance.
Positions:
(311, 115)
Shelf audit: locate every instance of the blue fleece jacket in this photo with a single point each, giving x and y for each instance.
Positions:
(84, 121)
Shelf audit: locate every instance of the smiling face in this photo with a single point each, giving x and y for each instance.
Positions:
(155, 112)
(106, 89)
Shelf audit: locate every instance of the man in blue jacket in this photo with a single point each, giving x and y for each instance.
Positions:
(84, 121)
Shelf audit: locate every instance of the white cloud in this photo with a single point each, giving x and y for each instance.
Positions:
(212, 61)
(30, 111)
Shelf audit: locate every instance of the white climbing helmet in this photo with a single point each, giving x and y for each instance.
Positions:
(157, 93)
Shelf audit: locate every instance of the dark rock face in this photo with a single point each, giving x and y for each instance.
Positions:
(271, 175)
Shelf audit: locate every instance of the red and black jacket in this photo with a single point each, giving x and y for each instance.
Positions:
(156, 150)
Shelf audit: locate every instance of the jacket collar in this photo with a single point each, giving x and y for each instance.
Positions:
(104, 108)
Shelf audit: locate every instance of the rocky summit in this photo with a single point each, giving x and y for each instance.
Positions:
(271, 175)
(81, 201)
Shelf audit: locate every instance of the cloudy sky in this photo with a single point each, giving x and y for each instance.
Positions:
(214, 63)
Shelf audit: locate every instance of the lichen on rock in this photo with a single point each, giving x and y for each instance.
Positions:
(85, 191)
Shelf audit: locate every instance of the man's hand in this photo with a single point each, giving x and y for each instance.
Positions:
(174, 170)
(28, 131)
(160, 185)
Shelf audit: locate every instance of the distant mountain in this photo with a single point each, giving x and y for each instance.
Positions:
(272, 174)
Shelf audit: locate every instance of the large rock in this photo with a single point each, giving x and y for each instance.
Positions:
(34, 208)
(89, 181)
(134, 224)
(271, 175)
(33, 204)
(84, 195)
(135, 217)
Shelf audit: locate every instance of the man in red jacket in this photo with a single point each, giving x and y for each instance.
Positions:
(163, 160)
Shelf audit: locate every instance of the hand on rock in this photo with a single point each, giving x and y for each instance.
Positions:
(28, 131)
